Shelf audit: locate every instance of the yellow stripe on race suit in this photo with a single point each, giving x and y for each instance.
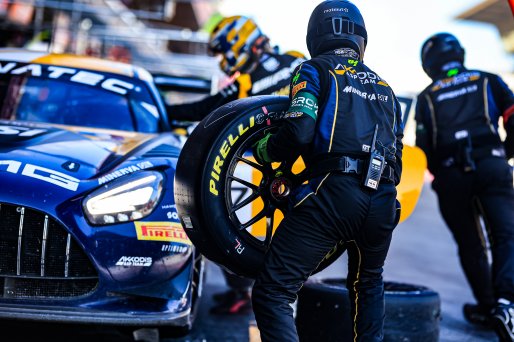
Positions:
(335, 110)
(356, 293)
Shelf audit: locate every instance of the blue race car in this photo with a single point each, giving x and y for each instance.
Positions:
(89, 231)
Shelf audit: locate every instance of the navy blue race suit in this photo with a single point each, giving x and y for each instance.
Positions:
(457, 128)
(336, 102)
(271, 76)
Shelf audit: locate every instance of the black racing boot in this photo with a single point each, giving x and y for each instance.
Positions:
(503, 320)
(478, 314)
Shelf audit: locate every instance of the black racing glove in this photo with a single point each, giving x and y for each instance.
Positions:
(259, 150)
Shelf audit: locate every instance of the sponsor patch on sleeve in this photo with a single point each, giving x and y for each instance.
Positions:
(304, 102)
(298, 87)
(293, 115)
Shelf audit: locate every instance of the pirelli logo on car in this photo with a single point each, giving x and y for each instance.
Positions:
(161, 231)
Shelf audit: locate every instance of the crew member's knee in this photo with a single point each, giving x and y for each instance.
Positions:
(368, 280)
(265, 296)
(257, 294)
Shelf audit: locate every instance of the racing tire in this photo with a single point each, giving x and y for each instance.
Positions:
(412, 312)
(206, 175)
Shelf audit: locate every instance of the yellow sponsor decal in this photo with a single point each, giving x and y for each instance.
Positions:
(455, 80)
(298, 87)
(223, 152)
(345, 69)
(161, 231)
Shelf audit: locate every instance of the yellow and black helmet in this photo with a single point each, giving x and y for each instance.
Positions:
(236, 39)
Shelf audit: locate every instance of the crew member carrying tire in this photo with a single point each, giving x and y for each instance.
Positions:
(256, 69)
(457, 127)
(352, 148)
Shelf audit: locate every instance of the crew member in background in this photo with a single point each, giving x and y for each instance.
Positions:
(346, 123)
(457, 118)
(256, 69)
(248, 58)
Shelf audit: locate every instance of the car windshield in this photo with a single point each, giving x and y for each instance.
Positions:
(81, 98)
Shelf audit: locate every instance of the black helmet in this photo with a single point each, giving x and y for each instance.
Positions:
(334, 24)
(438, 50)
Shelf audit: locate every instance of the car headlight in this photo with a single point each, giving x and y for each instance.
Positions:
(126, 199)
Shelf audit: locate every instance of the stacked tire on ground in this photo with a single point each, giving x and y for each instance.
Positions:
(412, 312)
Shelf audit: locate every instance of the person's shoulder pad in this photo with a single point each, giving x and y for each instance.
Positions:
(494, 77)
(307, 69)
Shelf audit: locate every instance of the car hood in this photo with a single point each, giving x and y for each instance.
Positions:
(79, 151)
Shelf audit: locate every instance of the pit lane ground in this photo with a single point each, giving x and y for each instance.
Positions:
(422, 252)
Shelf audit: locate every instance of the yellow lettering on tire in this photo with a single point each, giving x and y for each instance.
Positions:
(212, 187)
(218, 163)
